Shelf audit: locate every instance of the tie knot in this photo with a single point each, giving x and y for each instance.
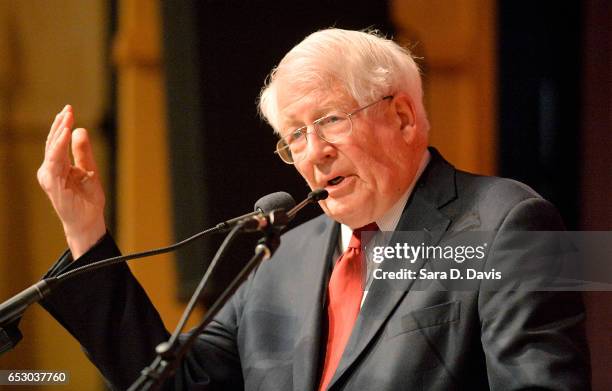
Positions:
(356, 237)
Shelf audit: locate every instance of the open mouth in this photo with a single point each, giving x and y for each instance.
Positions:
(335, 180)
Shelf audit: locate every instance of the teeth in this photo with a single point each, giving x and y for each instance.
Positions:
(336, 180)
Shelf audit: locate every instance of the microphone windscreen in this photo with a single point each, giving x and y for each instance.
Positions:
(318, 195)
(278, 200)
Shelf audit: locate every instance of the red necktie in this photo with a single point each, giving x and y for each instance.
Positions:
(344, 292)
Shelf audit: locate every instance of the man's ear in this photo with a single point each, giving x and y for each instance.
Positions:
(406, 114)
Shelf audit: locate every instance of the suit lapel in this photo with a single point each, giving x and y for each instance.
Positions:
(306, 353)
(421, 218)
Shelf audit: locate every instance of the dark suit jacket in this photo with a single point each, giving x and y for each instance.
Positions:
(269, 335)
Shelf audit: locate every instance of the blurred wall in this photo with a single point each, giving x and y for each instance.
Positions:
(457, 42)
(218, 54)
(52, 53)
(143, 195)
(55, 52)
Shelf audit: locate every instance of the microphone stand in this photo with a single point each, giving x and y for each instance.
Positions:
(171, 353)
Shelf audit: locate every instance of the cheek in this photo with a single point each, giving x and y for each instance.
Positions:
(376, 167)
(305, 173)
(383, 175)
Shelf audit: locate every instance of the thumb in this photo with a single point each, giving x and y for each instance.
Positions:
(82, 151)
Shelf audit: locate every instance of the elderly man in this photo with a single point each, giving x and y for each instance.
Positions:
(348, 109)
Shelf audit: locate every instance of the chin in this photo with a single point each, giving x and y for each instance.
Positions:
(351, 214)
(335, 210)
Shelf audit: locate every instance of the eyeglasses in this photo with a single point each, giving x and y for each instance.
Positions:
(332, 128)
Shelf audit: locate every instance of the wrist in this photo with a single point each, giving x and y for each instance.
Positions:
(81, 239)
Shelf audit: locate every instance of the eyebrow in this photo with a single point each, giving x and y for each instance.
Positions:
(318, 113)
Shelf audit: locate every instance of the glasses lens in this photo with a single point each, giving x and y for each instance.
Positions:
(334, 126)
(284, 152)
(330, 128)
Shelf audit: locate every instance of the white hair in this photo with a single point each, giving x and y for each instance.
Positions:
(364, 63)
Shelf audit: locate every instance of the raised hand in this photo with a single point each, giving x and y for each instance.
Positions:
(73, 188)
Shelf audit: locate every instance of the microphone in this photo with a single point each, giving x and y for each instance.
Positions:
(257, 220)
(314, 196)
(277, 218)
(272, 204)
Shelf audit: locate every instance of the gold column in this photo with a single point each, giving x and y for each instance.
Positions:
(143, 203)
(457, 40)
(50, 56)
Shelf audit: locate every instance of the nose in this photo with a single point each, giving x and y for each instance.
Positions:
(318, 150)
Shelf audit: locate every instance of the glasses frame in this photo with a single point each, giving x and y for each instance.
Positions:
(304, 129)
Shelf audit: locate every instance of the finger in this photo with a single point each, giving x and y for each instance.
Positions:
(78, 177)
(66, 122)
(89, 175)
(54, 169)
(82, 150)
(58, 118)
(86, 184)
(55, 126)
(58, 153)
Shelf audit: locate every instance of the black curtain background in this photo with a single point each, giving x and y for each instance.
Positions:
(217, 55)
(540, 68)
